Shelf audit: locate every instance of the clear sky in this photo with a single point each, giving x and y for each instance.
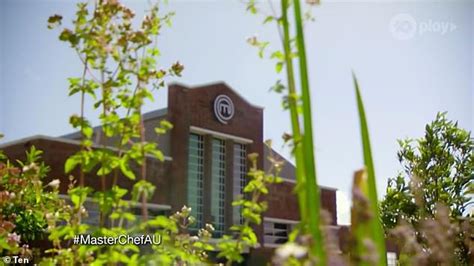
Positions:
(412, 58)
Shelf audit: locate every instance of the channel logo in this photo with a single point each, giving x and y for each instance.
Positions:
(405, 27)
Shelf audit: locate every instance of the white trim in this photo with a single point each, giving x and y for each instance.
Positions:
(328, 188)
(219, 83)
(279, 220)
(204, 131)
(287, 221)
(272, 220)
(334, 226)
(64, 140)
(272, 245)
(293, 181)
(289, 180)
(154, 206)
(34, 137)
(216, 241)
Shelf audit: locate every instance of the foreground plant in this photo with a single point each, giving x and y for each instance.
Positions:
(251, 207)
(434, 190)
(120, 73)
(299, 104)
(26, 203)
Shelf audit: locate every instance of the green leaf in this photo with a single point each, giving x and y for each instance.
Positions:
(268, 19)
(166, 124)
(279, 67)
(313, 197)
(78, 195)
(87, 131)
(159, 155)
(71, 163)
(125, 168)
(54, 21)
(377, 230)
(278, 55)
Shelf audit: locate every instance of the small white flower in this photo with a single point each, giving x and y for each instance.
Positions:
(14, 236)
(209, 227)
(291, 250)
(312, 2)
(54, 184)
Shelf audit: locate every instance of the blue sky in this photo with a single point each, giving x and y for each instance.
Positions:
(412, 59)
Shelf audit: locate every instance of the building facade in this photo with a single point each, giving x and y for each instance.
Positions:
(205, 166)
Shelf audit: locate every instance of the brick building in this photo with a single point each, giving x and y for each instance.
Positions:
(214, 129)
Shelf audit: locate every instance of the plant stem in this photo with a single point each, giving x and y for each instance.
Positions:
(99, 140)
(143, 170)
(81, 173)
(312, 190)
(295, 124)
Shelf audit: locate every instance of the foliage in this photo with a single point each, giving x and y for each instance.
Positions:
(438, 169)
(299, 104)
(436, 240)
(368, 187)
(119, 65)
(232, 247)
(120, 74)
(26, 203)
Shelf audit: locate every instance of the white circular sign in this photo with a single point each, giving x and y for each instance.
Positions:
(223, 108)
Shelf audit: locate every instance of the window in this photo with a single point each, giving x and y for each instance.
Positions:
(276, 232)
(93, 212)
(218, 186)
(392, 259)
(153, 212)
(195, 177)
(239, 174)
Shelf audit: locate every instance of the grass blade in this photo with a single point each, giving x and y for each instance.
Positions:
(312, 190)
(295, 123)
(375, 223)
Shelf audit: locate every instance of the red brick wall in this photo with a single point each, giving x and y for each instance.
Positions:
(194, 107)
(56, 152)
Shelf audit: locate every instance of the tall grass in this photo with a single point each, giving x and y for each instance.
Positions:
(376, 233)
(309, 198)
(295, 123)
(307, 189)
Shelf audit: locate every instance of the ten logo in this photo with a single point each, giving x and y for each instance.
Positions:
(223, 108)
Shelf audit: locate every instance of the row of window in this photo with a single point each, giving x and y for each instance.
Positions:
(239, 172)
(195, 184)
(218, 185)
(276, 233)
(196, 177)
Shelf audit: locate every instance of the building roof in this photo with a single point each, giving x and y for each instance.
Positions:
(146, 116)
(216, 84)
(288, 169)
